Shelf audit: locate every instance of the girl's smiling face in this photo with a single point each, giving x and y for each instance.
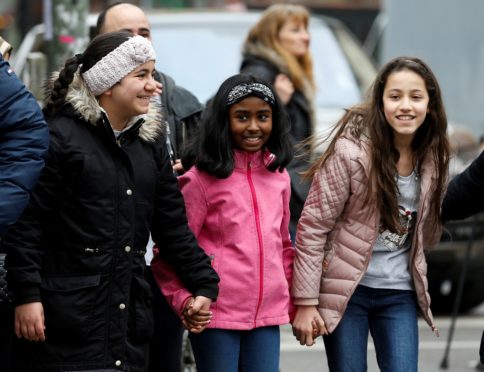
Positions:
(405, 103)
(250, 123)
(133, 93)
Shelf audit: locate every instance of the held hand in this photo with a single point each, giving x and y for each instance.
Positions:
(29, 321)
(196, 314)
(308, 325)
(284, 88)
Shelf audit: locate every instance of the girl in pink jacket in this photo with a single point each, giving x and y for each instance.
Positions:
(374, 205)
(237, 199)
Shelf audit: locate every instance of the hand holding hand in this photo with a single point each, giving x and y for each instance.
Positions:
(308, 325)
(196, 314)
(29, 321)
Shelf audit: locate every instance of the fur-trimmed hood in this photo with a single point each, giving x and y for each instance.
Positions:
(86, 104)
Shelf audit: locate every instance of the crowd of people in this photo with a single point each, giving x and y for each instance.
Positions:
(131, 212)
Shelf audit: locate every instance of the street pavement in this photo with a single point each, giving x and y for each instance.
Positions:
(463, 355)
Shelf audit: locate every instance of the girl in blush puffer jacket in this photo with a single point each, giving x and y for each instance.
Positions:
(237, 199)
(374, 205)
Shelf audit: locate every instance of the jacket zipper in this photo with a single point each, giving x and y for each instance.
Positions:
(259, 238)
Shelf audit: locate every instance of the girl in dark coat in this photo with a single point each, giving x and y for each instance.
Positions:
(76, 257)
(277, 50)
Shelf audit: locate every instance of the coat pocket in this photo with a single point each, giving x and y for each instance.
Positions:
(69, 304)
(141, 322)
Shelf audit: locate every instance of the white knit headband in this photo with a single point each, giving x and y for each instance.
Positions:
(118, 63)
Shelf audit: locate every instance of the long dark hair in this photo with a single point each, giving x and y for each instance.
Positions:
(99, 47)
(368, 120)
(211, 149)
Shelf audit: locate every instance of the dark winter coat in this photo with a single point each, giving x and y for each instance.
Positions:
(79, 247)
(264, 63)
(24, 139)
(465, 195)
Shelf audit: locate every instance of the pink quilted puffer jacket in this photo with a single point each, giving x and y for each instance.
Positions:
(337, 231)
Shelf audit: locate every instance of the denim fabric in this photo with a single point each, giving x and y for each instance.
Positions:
(390, 316)
(222, 350)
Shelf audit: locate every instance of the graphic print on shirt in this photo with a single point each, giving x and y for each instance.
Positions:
(393, 241)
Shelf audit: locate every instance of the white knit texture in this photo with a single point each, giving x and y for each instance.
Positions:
(118, 63)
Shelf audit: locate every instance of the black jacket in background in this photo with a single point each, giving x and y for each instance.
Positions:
(465, 194)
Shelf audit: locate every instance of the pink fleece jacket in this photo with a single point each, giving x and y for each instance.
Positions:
(242, 224)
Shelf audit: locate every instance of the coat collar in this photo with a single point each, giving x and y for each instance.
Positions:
(257, 159)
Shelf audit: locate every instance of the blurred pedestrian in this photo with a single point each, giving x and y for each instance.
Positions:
(277, 50)
(373, 206)
(237, 199)
(181, 111)
(464, 198)
(76, 256)
(24, 139)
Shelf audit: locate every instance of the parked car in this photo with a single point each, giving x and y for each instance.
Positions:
(201, 49)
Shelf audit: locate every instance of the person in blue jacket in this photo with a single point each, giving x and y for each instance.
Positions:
(24, 140)
(464, 198)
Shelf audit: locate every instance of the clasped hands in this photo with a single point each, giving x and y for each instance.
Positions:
(308, 325)
(196, 314)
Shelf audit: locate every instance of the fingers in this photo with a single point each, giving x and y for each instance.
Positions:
(284, 87)
(308, 325)
(196, 314)
(178, 167)
(158, 88)
(320, 327)
(201, 303)
(29, 321)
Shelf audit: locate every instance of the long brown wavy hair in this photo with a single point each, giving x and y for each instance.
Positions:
(367, 122)
(266, 32)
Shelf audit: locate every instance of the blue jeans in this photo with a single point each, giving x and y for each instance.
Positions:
(390, 316)
(223, 350)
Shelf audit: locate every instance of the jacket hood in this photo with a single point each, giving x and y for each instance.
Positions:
(87, 106)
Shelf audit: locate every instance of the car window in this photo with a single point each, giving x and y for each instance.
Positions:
(200, 56)
(336, 83)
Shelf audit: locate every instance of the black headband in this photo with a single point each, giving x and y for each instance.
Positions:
(241, 91)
